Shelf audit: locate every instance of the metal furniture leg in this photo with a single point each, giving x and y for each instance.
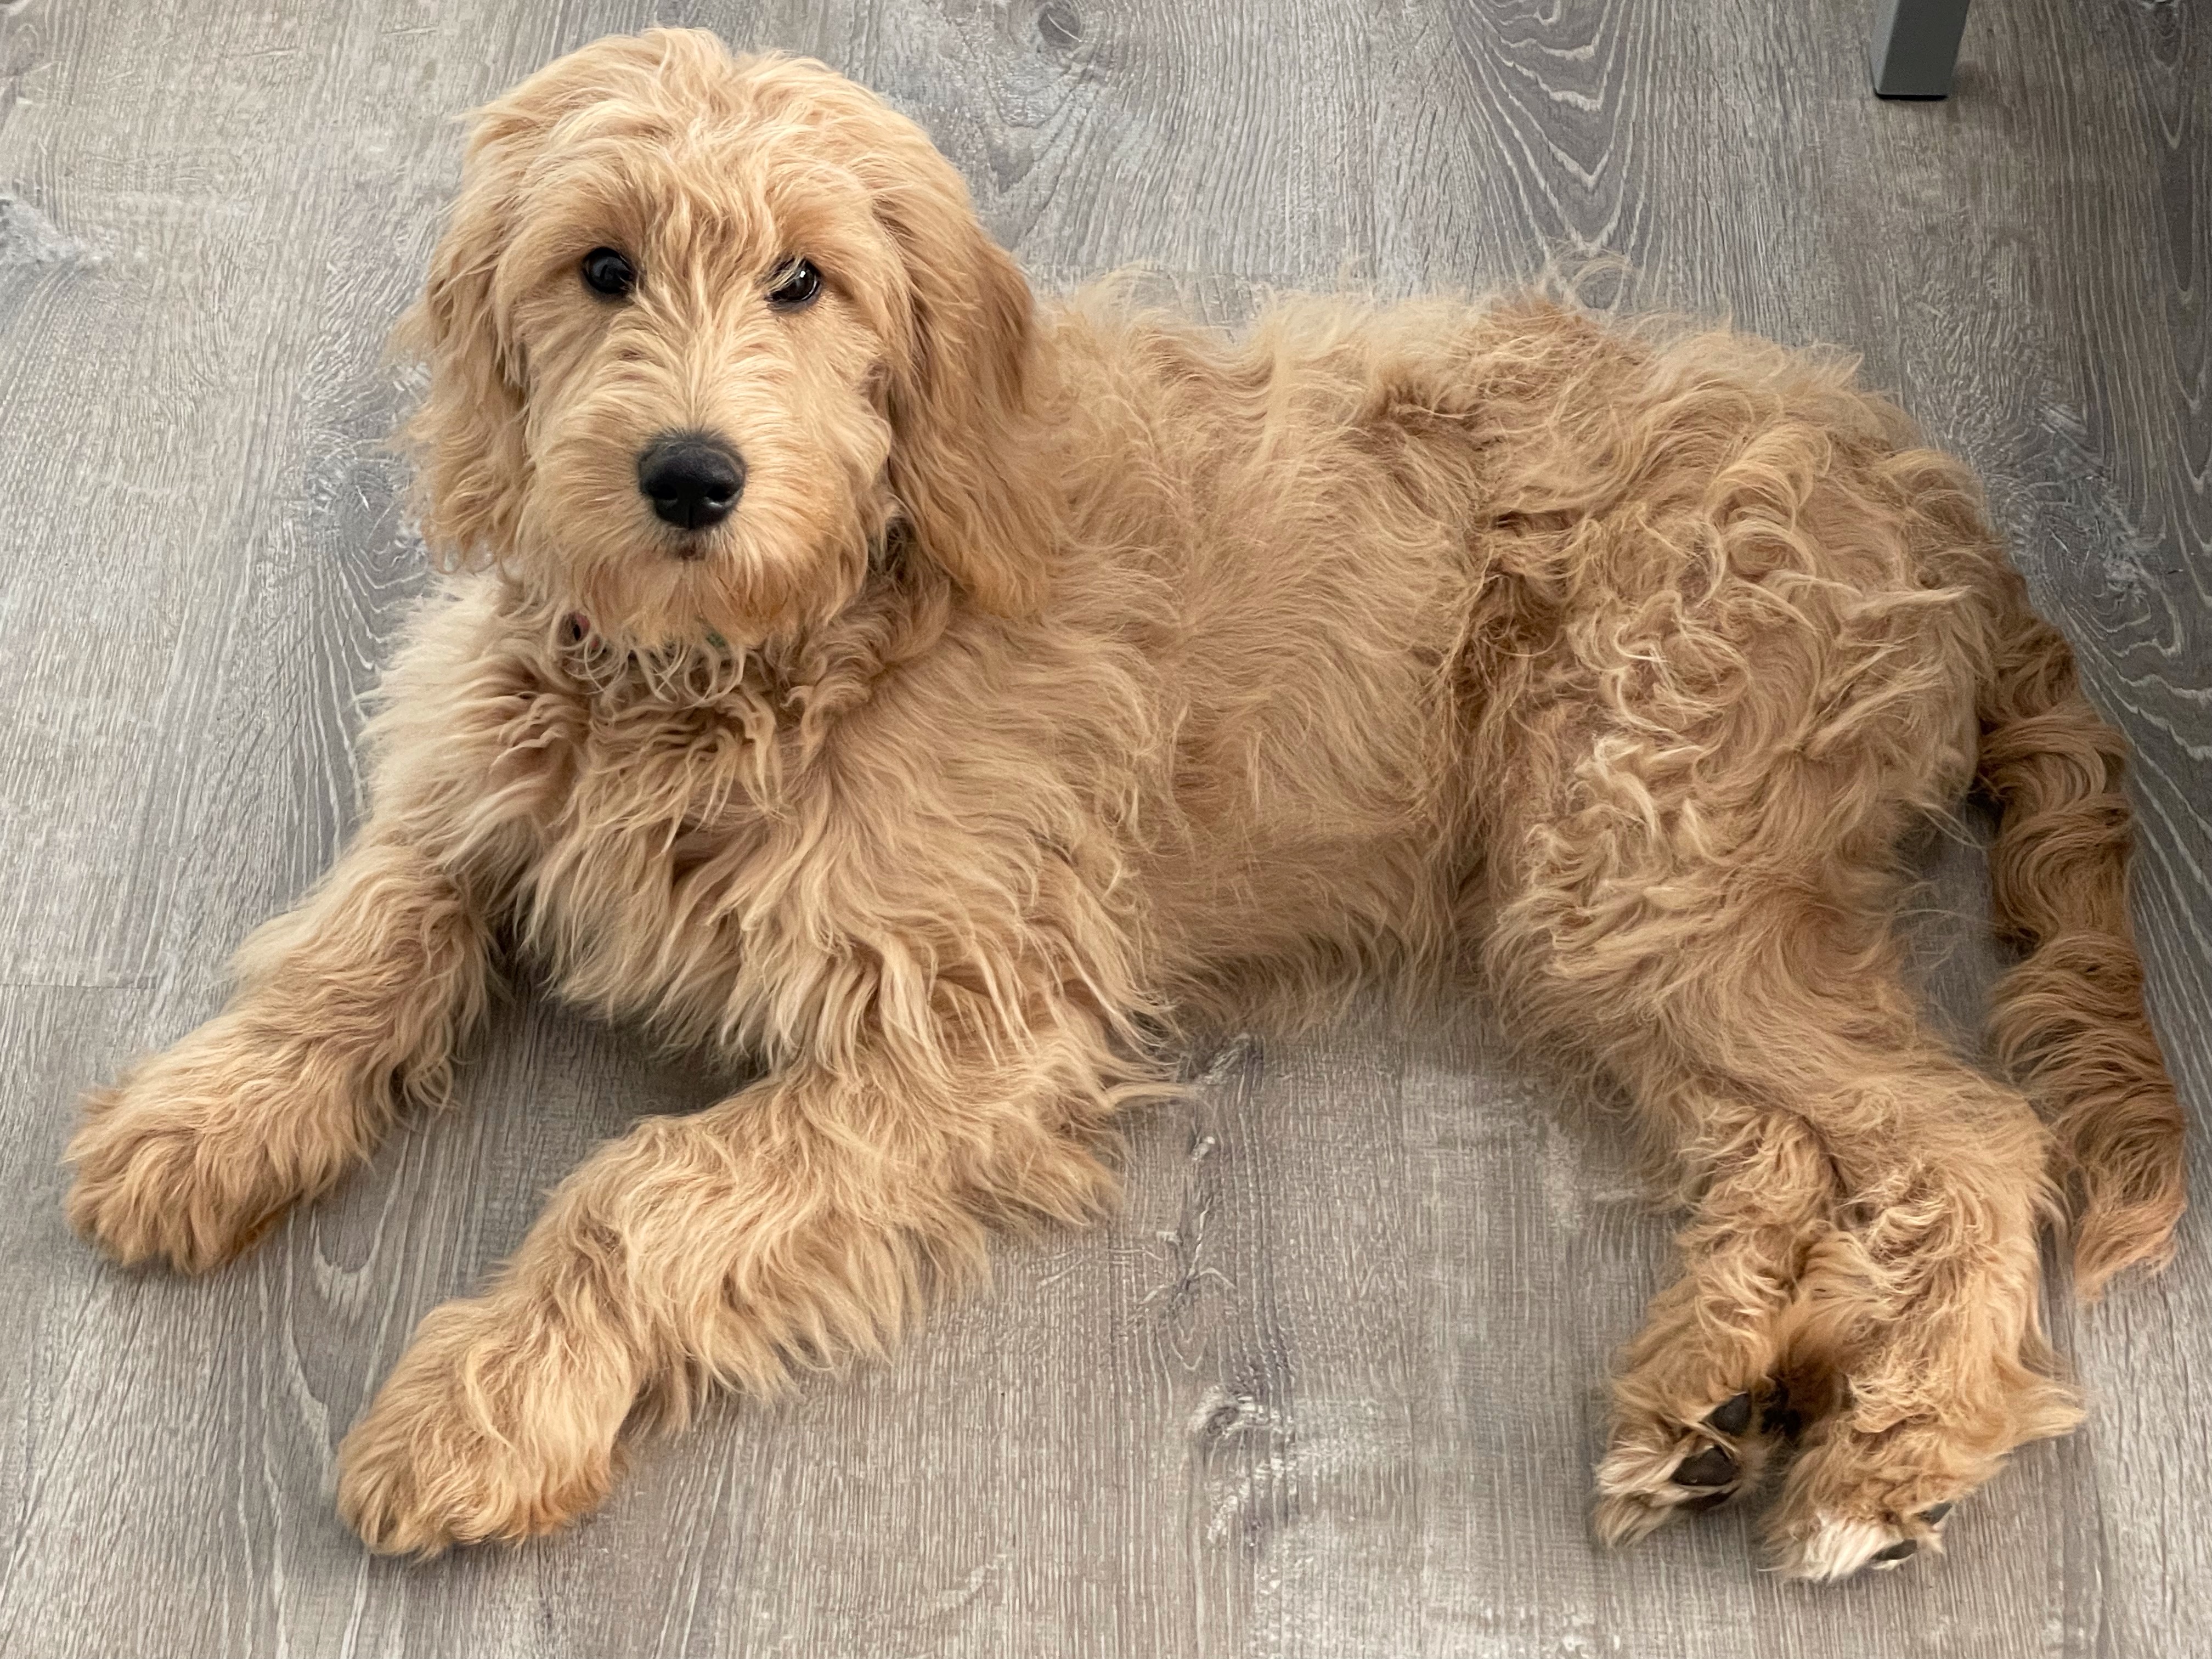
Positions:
(1915, 46)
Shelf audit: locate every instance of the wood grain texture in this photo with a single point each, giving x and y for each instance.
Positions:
(1330, 1385)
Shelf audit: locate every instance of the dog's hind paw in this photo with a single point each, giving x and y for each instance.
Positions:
(1856, 1501)
(1656, 1470)
(1836, 1546)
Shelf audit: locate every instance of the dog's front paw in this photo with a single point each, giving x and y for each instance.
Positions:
(483, 1431)
(194, 1152)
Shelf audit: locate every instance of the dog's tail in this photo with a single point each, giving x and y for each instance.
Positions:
(2069, 1021)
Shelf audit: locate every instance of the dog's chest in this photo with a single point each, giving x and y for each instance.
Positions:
(651, 857)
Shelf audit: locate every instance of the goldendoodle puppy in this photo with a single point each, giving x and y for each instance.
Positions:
(848, 663)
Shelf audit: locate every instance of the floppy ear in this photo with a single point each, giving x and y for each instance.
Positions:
(467, 436)
(958, 394)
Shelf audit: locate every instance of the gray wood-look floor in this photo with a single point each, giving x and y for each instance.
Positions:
(1331, 1385)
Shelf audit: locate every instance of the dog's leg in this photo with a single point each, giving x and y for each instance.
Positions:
(801, 1220)
(1864, 1247)
(1700, 1396)
(344, 1006)
(1918, 1320)
(1863, 1256)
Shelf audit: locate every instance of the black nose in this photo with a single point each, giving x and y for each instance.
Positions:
(692, 480)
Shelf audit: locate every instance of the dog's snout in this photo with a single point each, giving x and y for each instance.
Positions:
(692, 479)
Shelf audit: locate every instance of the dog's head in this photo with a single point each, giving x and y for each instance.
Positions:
(702, 332)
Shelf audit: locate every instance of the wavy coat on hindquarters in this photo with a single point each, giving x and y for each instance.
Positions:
(1060, 672)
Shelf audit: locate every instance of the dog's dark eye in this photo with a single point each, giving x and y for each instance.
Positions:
(796, 285)
(606, 271)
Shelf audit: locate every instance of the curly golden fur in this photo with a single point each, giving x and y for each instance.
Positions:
(1065, 671)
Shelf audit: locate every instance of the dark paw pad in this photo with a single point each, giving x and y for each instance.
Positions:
(1709, 1468)
(1777, 1415)
(1730, 1417)
(1903, 1550)
(1934, 1514)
